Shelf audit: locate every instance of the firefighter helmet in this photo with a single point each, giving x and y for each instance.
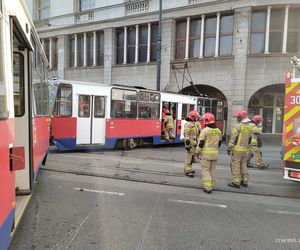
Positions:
(208, 118)
(193, 115)
(257, 119)
(240, 115)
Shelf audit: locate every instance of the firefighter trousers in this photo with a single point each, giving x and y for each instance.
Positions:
(256, 152)
(169, 134)
(239, 168)
(189, 159)
(208, 172)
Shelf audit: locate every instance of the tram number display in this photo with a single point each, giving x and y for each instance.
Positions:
(295, 99)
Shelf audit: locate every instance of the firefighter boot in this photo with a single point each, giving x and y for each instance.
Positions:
(244, 184)
(233, 185)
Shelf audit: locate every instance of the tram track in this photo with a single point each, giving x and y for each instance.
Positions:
(126, 177)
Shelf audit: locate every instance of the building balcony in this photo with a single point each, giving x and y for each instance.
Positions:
(84, 16)
(135, 7)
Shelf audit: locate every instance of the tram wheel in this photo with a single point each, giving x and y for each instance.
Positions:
(130, 143)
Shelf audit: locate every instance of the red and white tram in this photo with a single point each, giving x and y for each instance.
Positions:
(91, 116)
(24, 105)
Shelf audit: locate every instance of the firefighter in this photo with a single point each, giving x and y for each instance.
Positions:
(210, 140)
(191, 131)
(254, 149)
(238, 147)
(168, 126)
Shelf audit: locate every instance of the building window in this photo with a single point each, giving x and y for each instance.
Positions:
(180, 39)
(258, 29)
(100, 48)
(143, 41)
(54, 53)
(90, 48)
(120, 46)
(276, 30)
(86, 5)
(131, 45)
(43, 8)
(80, 49)
(293, 31)
(226, 35)
(154, 37)
(210, 36)
(195, 37)
(72, 51)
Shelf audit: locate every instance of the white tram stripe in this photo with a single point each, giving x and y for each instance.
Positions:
(199, 203)
(99, 191)
(282, 212)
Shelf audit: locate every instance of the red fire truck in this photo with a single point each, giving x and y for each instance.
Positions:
(291, 127)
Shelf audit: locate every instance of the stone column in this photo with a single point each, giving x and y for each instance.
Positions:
(125, 46)
(149, 43)
(50, 53)
(75, 51)
(63, 52)
(267, 30)
(202, 36)
(237, 89)
(109, 54)
(217, 35)
(285, 28)
(84, 50)
(187, 38)
(94, 48)
(136, 44)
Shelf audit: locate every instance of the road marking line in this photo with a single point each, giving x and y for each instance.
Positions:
(199, 203)
(282, 212)
(99, 191)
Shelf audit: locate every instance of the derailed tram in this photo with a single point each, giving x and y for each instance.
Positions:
(92, 116)
(24, 113)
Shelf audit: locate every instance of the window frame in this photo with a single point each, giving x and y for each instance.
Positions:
(100, 48)
(92, 5)
(148, 102)
(141, 46)
(72, 57)
(104, 109)
(194, 38)
(210, 36)
(39, 8)
(22, 82)
(226, 34)
(258, 32)
(120, 46)
(277, 30)
(78, 113)
(111, 104)
(58, 96)
(180, 39)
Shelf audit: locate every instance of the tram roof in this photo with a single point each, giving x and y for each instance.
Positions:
(58, 81)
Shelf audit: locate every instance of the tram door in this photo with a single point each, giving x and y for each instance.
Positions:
(20, 76)
(173, 107)
(91, 120)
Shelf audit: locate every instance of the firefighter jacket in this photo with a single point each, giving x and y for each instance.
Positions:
(256, 132)
(211, 138)
(169, 121)
(240, 137)
(191, 131)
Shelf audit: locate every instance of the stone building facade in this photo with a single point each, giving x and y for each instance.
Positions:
(236, 50)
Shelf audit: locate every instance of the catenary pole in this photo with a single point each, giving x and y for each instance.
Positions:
(159, 47)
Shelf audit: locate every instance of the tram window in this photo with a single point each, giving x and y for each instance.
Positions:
(124, 104)
(84, 106)
(63, 103)
(41, 90)
(19, 94)
(148, 105)
(99, 109)
(184, 111)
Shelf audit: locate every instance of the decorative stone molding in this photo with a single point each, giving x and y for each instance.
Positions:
(193, 1)
(84, 16)
(136, 6)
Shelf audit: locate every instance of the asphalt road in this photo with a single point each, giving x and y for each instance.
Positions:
(140, 199)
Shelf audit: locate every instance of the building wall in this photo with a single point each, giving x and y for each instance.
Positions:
(237, 76)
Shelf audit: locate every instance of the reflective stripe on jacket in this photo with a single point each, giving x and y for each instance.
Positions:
(240, 137)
